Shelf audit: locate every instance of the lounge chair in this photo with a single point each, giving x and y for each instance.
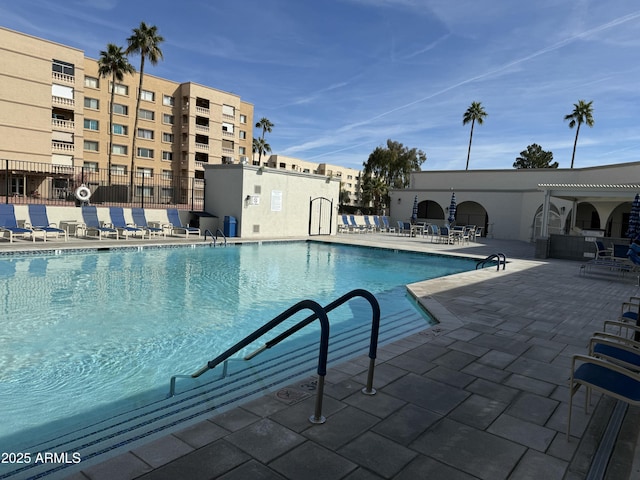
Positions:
(40, 222)
(370, 227)
(603, 376)
(354, 224)
(176, 224)
(93, 226)
(9, 224)
(404, 228)
(377, 223)
(344, 226)
(124, 229)
(140, 221)
(387, 226)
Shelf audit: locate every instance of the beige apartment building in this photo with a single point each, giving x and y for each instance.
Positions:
(54, 117)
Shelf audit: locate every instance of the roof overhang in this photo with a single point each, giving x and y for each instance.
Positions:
(591, 192)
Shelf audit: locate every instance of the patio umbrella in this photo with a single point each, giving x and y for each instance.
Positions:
(452, 209)
(634, 218)
(414, 212)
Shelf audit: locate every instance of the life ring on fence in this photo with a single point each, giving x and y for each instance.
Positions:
(83, 193)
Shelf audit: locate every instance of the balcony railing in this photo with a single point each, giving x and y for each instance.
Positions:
(202, 146)
(63, 124)
(202, 110)
(67, 102)
(225, 133)
(62, 77)
(62, 146)
(202, 128)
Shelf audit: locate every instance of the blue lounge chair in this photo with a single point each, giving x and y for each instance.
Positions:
(92, 224)
(387, 226)
(119, 223)
(40, 222)
(344, 225)
(140, 221)
(355, 226)
(176, 224)
(376, 221)
(9, 224)
(370, 227)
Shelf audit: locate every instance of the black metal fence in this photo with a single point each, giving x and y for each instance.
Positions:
(32, 182)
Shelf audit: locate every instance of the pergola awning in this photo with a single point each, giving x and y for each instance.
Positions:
(591, 192)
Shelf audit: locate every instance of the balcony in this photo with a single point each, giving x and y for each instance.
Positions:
(203, 146)
(227, 150)
(62, 77)
(67, 125)
(202, 110)
(65, 102)
(228, 116)
(202, 128)
(62, 146)
(225, 133)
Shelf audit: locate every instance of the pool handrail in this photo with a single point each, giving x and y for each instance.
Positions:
(373, 341)
(499, 258)
(319, 313)
(214, 238)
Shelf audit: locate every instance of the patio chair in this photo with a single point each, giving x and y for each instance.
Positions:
(614, 348)
(176, 224)
(387, 226)
(39, 221)
(9, 224)
(344, 225)
(404, 228)
(378, 225)
(370, 227)
(605, 377)
(140, 221)
(602, 252)
(446, 236)
(124, 229)
(354, 224)
(93, 226)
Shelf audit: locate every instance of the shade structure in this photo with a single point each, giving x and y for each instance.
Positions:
(414, 212)
(452, 209)
(634, 218)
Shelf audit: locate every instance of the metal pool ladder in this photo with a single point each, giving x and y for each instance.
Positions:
(498, 258)
(214, 238)
(319, 313)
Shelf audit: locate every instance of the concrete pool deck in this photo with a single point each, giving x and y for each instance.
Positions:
(481, 395)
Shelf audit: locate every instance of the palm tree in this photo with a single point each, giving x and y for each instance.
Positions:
(145, 41)
(114, 63)
(582, 113)
(265, 125)
(475, 113)
(260, 147)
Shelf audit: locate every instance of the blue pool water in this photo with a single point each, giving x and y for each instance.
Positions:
(85, 330)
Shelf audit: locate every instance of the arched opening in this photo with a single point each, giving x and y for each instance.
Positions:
(472, 213)
(555, 222)
(430, 211)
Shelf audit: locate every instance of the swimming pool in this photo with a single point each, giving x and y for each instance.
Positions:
(87, 330)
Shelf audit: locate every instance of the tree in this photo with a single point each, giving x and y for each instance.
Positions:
(535, 157)
(393, 165)
(113, 63)
(260, 147)
(475, 113)
(145, 42)
(375, 191)
(265, 125)
(582, 113)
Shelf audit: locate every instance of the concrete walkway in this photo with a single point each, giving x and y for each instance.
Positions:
(483, 395)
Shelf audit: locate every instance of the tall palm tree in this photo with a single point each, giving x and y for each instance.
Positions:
(475, 113)
(582, 113)
(113, 63)
(260, 147)
(145, 42)
(265, 125)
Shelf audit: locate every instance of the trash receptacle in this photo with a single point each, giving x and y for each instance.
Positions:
(230, 226)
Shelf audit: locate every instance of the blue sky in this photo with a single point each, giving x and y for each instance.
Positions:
(340, 77)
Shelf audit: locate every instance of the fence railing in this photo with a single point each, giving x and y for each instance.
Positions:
(33, 182)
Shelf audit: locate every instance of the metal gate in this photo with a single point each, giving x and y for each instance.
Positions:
(320, 216)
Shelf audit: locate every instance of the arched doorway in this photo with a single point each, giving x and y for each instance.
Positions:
(472, 213)
(430, 211)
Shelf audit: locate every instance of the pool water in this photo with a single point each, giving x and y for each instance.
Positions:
(85, 330)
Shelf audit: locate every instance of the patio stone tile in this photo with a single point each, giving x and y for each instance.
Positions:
(296, 417)
(424, 467)
(201, 434)
(492, 390)
(381, 405)
(525, 433)
(345, 388)
(542, 354)
(310, 458)
(473, 451)
(378, 454)
(540, 370)
(124, 466)
(426, 393)
(535, 465)
(235, 419)
(204, 463)
(341, 428)
(480, 370)
(383, 374)
(411, 364)
(450, 377)
(529, 384)
(406, 424)
(478, 411)
(497, 359)
(265, 440)
(455, 360)
(253, 470)
(533, 408)
(466, 347)
(427, 352)
(463, 334)
(501, 344)
(162, 450)
(362, 474)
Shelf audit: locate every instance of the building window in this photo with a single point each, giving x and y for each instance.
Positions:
(90, 167)
(147, 96)
(243, 119)
(90, 124)
(120, 129)
(167, 192)
(119, 169)
(91, 82)
(92, 103)
(65, 68)
(119, 89)
(168, 137)
(146, 114)
(242, 134)
(145, 152)
(168, 100)
(120, 109)
(91, 145)
(242, 150)
(168, 156)
(144, 191)
(167, 174)
(228, 110)
(145, 172)
(283, 165)
(168, 119)
(119, 149)
(145, 133)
